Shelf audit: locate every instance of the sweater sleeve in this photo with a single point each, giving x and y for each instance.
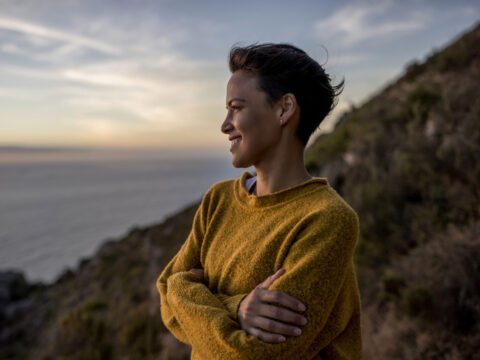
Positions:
(231, 303)
(188, 257)
(315, 265)
(179, 263)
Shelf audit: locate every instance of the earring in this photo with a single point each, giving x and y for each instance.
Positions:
(281, 121)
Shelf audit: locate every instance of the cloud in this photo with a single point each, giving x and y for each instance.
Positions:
(101, 127)
(12, 49)
(358, 22)
(109, 78)
(39, 34)
(144, 83)
(147, 89)
(27, 72)
(348, 59)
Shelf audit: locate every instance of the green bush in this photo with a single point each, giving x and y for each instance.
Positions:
(139, 334)
(413, 70)
(83, 335)
(420, 101)
(328, 146)
(416, 301)
(391, 287)
(95, 305)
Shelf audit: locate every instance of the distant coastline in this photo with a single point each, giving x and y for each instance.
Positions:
(74, 199)
(15, 154)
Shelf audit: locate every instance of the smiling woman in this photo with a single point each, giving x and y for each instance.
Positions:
(268, 273)
(255, 127)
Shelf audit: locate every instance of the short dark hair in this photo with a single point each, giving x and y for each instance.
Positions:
(284, 68)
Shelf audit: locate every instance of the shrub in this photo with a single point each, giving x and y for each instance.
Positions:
(416, 301)
(391, 287)
(83, 335)
(139, 334)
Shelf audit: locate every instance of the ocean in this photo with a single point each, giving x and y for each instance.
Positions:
(58, 206)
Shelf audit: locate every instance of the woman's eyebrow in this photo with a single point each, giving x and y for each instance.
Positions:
(236, 99)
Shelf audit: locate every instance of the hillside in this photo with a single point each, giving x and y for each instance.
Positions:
(106, 308)
(407, 162)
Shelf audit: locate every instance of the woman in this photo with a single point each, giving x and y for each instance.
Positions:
(267, 270)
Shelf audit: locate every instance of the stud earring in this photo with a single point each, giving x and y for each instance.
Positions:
(281, 121)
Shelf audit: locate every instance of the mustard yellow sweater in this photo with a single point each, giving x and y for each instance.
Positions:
(240, 239)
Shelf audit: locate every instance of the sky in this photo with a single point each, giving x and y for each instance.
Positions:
(153, 74)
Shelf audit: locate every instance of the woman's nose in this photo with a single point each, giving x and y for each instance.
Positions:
(226, 125)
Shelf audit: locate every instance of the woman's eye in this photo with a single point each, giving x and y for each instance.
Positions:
(234, 108)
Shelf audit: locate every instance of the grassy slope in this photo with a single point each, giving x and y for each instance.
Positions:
(107, 308)
(407, 161)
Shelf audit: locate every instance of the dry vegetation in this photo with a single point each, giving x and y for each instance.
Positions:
(407, 161)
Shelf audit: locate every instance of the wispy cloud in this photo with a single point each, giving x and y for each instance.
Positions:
(348, 59)
(27, 72)
(149, 89)
(43, 32)
(357, 22)
(143, 84)
(112, 72)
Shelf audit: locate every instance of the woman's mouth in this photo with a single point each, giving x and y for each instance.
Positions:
(235, 141)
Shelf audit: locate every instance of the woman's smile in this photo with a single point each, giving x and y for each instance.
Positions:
(235, 142)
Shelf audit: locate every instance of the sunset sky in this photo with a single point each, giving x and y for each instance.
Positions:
(153, 73)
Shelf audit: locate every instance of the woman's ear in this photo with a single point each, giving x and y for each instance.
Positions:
(288, 106)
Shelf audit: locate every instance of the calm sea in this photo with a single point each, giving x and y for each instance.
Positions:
(59, 206)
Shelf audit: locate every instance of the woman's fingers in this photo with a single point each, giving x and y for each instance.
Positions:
(276, 327)
(269, 281)
(283, 315)
(268, 314)
(275, 296)
(266, 336)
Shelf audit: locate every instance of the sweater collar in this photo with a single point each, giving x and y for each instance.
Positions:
(278, 197)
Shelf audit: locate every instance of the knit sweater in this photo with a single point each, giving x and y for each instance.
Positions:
(240, 239)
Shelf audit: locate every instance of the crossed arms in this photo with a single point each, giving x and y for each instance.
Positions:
(316, 266)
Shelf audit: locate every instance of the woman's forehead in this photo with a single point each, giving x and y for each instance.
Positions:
(242, 78)
(241, 84)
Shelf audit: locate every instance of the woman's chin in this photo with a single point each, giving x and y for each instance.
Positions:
(238, 163)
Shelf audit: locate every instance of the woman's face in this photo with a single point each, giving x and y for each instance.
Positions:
(252, 125)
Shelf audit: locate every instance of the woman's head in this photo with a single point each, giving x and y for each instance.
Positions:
(284, 68)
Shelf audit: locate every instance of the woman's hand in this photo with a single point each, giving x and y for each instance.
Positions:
(266, 321)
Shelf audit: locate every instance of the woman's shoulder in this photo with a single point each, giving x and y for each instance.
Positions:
(226, 187)
(220, 189)
(328, 203)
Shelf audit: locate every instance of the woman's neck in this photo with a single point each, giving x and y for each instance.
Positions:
(267, 183)
(280, 168)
